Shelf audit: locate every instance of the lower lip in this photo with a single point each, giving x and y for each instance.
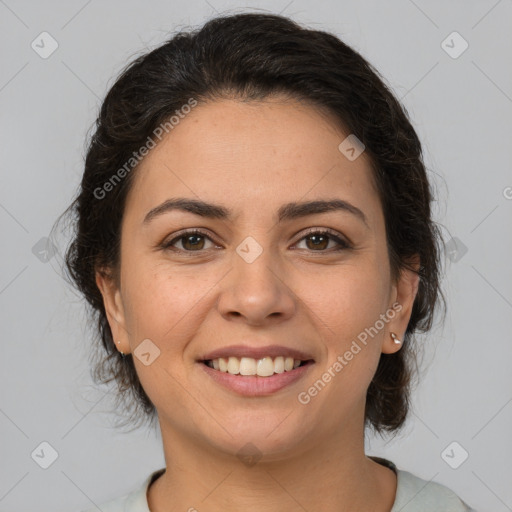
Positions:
(252, 385)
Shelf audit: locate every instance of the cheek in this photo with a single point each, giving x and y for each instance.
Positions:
(349, 305)
(162, 302)
(165, 307)
(352, 298)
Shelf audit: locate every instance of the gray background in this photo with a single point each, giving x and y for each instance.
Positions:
(461, 108)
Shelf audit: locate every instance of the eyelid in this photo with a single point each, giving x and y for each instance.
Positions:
(343, 242)
(167, 243)
(328, 231)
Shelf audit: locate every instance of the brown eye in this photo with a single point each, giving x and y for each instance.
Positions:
(318, 241)
(191, 241)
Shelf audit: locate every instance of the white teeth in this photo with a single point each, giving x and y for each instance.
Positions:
(264, 367)
(247, 366)
(234, 365)
(279, 364)
(223, 364)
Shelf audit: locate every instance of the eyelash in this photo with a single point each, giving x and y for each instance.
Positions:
(344, 245)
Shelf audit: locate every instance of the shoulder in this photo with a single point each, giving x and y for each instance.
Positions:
(414, 494)
(135, 501)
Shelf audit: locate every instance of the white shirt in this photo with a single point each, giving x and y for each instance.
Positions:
(412, 495)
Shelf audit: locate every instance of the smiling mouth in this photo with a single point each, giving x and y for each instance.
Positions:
(248, 366)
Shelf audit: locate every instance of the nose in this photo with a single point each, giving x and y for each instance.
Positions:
(256, 293)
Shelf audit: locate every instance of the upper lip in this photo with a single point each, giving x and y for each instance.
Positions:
(257, 352)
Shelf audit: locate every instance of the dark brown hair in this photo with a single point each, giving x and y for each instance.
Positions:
(251, 57)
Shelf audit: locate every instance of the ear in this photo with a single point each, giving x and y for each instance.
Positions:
(403, 293)
(114, 308)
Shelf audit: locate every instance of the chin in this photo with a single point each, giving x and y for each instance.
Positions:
(261, 439)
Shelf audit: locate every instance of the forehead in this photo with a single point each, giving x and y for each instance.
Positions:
(253, 155)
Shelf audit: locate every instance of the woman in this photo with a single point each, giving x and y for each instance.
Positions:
(254, 236)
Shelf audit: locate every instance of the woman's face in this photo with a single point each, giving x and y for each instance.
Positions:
(258, 275)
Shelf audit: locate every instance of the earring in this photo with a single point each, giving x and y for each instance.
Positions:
(121, 352)
(395, 339)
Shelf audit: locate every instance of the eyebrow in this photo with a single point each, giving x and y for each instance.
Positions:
(287, 212)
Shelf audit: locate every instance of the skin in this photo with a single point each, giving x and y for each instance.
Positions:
(253, 157)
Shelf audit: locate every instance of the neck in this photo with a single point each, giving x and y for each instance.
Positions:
(327, 476)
